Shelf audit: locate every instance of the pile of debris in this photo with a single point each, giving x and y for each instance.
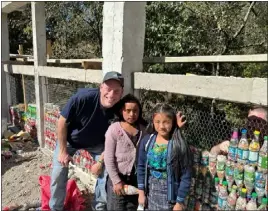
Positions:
(15, 143)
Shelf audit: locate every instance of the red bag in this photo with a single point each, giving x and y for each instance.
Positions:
(73, 199)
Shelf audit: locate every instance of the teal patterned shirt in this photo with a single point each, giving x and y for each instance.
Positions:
(157, 160)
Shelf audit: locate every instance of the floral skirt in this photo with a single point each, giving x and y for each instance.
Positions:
(157, 195)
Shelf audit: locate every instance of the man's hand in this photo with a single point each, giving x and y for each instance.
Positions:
(221, 148)
(119, 189)
(64, 158)
(224, 146)
(178, 206)
(181, 121)
(96, 169)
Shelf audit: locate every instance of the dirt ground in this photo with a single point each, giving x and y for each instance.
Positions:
(20, 176)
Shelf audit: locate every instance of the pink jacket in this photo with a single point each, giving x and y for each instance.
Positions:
(120, 152)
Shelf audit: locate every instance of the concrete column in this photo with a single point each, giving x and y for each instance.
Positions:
(39, 49)
(5, 77)
(123, 39)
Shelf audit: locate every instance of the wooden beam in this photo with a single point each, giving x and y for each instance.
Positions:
(49, 49)
(20, 51)
(209, 59)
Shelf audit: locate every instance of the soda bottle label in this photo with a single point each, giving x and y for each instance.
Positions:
(259, 179)
(263, 161)
(242, 154)
(232, 153)
(253, 156)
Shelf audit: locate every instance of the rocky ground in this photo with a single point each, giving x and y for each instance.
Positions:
(20, 179)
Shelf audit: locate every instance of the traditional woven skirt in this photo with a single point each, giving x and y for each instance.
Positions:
(157, 196)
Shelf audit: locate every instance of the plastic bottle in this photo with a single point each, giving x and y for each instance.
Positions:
(223, 194)
(231, 200)
(260, 184)
(233, 146)
(242, 150)
(214, 193)
(249, 178)
(217, 182)
(239, 174)
(254, 148)
(252, 205)
(212, 164)
(229, 174)
(221, 160)
(263, 156)
(130, 190)
(140, 207)
(241, 202)
(263, 205)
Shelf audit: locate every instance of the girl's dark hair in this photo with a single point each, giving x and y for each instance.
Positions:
(129, 98)
(181, 155)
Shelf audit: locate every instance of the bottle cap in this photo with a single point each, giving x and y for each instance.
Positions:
(244, 131)
(244, 190)
(234, 187)
(225, 183)
(265, 138)
(217, 179)
(264, 201)
(254, 195)
(256, 132)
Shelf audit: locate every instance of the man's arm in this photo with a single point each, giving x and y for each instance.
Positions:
(220, 148)
(64, 158)
(62, 134)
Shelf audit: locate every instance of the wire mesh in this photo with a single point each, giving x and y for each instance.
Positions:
(59, 90)
(29, 89)
(16, 91)
(207, 123)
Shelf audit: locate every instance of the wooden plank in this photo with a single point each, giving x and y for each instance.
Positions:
(20, 56)
(242, 90)
(209, 59)
(24, 94)
(49, 49)
(20, 51)
(93, 65)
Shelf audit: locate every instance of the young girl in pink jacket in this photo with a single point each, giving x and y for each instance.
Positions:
(121, 144)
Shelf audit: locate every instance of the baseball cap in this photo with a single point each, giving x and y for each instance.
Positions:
(114, 76)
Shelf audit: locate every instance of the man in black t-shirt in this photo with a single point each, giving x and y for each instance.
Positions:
(82, 125)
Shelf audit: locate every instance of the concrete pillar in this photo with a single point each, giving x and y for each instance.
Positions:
(123, 39)
(39, 49)
(5, 77)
